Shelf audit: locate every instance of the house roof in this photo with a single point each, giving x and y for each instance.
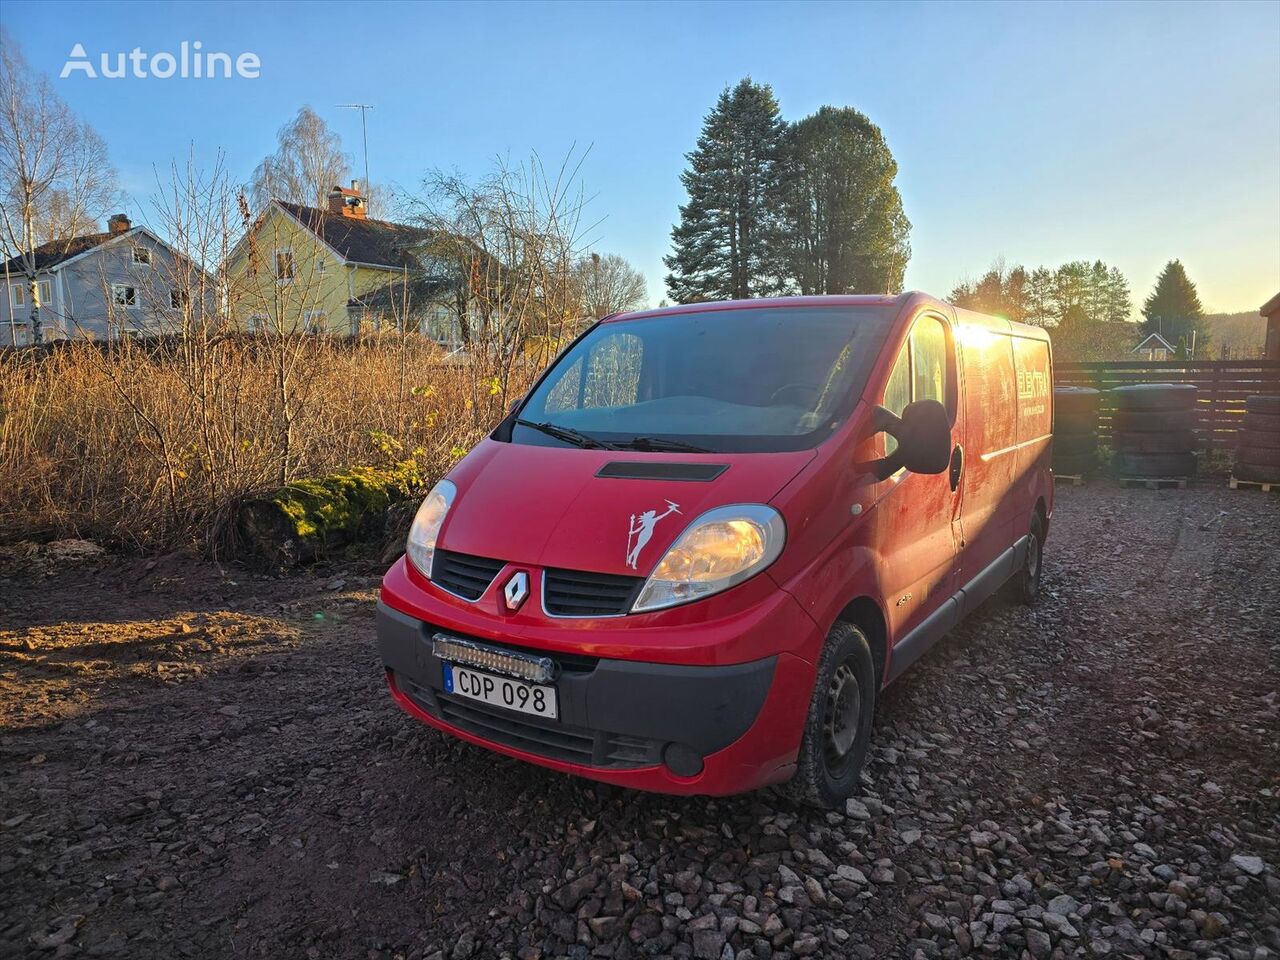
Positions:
(55, 252)
(407, 293)
(1160, 344)
(378, 243)
(1271, 307)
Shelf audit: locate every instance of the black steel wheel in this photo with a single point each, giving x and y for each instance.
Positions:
(837, 731)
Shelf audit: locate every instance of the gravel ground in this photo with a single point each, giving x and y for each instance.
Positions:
(200, 763)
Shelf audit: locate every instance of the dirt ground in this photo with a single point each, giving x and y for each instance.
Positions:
(198, 762)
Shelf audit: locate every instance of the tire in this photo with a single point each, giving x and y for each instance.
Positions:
(1024, 586)
(1154, 464)
(1265, 404)
(1076, 401)
(1175, 441)
(1074, 444)
(1249, 439)
(1155, 396)
(831, 753)
(1259, 456)
(1262, 422)
(1080, 466)
(1064, 423)
(1258, 474)
(1151, 421)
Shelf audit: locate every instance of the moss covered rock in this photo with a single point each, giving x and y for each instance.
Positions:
(311, 518)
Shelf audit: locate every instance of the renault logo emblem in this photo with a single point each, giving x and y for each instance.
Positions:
(516, 591)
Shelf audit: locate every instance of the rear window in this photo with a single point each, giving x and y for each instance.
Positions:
(723, 380)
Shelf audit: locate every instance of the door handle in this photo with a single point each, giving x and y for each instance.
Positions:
(957, 467)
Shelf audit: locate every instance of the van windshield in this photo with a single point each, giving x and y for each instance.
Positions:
(724, 380)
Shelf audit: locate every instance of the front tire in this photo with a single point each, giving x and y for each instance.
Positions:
(837, 731)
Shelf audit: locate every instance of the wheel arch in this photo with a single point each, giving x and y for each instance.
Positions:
(865, 614)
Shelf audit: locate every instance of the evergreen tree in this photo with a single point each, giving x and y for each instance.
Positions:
(727, 244)
(1173, 310)
(846, 231)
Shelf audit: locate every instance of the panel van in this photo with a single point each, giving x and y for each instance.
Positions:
(695, 553)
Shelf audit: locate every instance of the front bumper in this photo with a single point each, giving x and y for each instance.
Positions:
(664, 727)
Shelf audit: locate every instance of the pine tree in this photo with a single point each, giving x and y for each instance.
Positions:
(727, 243)
(1173, 310)
(846, 231)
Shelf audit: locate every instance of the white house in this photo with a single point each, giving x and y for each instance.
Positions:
(126, 281)
(1155, 347)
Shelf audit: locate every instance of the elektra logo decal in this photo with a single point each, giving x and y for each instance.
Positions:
(641, 531)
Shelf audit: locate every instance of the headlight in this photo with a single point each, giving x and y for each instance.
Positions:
(721, 548)
(426, 526)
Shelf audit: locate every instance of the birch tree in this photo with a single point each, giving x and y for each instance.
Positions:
(55, 178)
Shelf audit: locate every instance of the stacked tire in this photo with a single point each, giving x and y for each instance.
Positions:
(1153, 430)
(1258, 445)
(1075, 431)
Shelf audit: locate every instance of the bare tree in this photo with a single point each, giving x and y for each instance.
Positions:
(608, 284)
(54, 171)
(309, 161)
(507, 246)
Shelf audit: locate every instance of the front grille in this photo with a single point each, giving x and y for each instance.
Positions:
(577, 593)
(467, 576)
(545, 738)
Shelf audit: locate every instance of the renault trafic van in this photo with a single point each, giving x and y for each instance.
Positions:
(694, 554)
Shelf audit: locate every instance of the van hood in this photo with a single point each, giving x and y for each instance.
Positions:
(546, 506)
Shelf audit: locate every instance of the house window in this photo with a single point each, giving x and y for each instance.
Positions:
(257, 323)
(18, 293)
(286, 269)
(313, 321)
(123, 295)
(321, 266)
(142, 256)
(178, 298)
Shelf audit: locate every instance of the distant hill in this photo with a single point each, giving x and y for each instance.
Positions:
(1237, 335)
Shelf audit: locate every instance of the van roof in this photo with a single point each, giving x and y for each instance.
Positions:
(908, 300)
(832, 300)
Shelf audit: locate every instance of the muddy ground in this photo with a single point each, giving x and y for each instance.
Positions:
(198, 762)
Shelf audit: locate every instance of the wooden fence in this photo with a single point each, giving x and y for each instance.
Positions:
(1223, 386)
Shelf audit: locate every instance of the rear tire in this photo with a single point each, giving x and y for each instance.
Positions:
(837, 731)
(1025, 585)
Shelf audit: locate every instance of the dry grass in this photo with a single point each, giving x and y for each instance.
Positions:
(152, 446)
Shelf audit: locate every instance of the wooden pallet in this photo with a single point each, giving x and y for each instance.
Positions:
(1075, 479)
(1155, 483)
(1266, 487)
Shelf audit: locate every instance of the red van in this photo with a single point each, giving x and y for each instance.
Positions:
(693, 555)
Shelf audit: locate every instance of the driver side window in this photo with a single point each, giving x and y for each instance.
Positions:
(920, 372)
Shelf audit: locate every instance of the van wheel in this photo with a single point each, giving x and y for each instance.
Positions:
(1025, 585)
(837, 731)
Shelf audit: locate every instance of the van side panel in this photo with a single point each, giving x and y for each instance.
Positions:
(990, 454)
(1035, 424)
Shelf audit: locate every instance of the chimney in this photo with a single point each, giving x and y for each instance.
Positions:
(347, 203)
(118, 224)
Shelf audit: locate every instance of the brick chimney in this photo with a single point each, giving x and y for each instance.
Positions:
(347, 203)
(118, 224)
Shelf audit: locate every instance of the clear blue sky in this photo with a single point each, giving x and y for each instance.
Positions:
(1040, 132)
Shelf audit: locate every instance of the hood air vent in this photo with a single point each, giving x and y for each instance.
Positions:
(650, 470)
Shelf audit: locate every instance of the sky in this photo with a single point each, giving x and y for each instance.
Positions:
(1036, 132)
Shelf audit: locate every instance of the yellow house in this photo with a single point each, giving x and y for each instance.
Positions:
(304, 269)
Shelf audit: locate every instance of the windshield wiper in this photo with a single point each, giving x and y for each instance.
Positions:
(660, 443)
(567, 435)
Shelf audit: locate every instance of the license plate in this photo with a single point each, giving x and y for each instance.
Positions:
(532, 698)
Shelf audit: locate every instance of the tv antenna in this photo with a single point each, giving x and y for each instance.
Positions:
(364, 108)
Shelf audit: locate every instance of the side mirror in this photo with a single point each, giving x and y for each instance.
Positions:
(923, 433)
